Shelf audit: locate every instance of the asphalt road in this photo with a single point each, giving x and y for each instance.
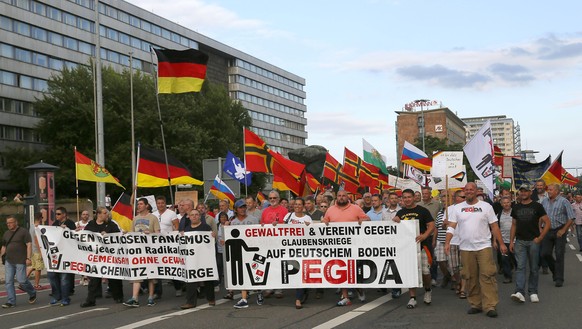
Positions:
(558, 308)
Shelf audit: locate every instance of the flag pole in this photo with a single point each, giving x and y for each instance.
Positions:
(162, 128)
(134, 192)
(76, 182)
(245, 161)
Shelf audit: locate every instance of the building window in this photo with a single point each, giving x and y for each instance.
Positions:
(25, 82)
(23, 55)
(69, 19)
(6, 50)
(53, 13)
(39, 34)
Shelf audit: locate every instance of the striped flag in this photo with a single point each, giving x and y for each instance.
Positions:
(180, 71)
(122, 212)
(89, 170)
(221, 191)
(415, 157)
(152, 170)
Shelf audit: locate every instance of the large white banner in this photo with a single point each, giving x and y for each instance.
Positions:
(132, 256)
(347, 255)
(479, 151)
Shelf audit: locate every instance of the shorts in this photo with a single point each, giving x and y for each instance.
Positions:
(454, 259)
(439, 252)
(36, 262)
(425, 266)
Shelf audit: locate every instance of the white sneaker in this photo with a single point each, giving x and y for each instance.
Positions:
(518, 297)
(534, 298)
(361, 296)
(428, 297)
(411, 303)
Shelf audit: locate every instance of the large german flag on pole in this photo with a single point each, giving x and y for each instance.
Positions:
(180, 71)
(152, 171)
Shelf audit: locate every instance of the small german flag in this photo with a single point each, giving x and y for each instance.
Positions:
(122, 212)
(180, 71)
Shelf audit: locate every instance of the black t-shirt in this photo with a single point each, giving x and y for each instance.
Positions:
(68, 223)
(421, 214)
(203, 227)
(107, 227)
(527, 219)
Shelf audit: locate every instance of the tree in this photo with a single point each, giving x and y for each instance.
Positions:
(196, 125)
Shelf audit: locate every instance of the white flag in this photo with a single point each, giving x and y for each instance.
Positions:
(479, 152)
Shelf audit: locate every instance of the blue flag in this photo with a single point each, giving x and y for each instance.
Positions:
(527, 173)
(236, 169)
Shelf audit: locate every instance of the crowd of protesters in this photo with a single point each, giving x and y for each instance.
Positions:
(463, 234)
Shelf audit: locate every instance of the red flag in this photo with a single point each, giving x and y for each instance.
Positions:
(331, 169)
(257, 156)
(367, 174)
(557, 174)
(497, 156)
(122, 212)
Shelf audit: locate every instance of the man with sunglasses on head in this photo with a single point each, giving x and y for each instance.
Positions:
(275, 212)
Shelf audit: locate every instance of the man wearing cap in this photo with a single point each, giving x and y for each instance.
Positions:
(561, 216)
(526, 239)
(241, 218)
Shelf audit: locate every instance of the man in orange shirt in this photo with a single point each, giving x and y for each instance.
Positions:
(344, 211)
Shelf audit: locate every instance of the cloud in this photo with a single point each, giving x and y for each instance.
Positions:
(518, 64)
(443, 76)
(511, 73)
(344, 124)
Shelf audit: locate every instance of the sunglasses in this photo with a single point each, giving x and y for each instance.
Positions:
(58, 213)
(273, 198)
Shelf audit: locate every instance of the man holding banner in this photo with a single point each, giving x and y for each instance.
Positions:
(102, 225)
(412, 211)
(344, 211)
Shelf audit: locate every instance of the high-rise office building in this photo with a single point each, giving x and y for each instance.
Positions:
(506, 134)
(39, 38)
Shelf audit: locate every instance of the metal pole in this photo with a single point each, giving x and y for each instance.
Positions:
(423, 126)
(133, 171)
(100, 151)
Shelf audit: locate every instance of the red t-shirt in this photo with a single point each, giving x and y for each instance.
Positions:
(271, 214)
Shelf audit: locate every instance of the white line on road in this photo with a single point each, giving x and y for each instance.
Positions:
(171, 315)
(568, 239)
(357, 312)
(60, 318)
(27, 310)
(579, 257)
(572, 246)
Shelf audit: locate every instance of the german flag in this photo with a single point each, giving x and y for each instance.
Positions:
(152, 170)
(180, 71)
(260, 198)
(122, 212)
(331, 169)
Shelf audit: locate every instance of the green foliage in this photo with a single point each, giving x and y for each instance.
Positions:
(196, 125)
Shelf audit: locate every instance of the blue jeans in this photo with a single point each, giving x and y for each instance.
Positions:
(526, 251)
(60, 285)
(20, 271)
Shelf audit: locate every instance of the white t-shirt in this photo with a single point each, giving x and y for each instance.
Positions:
(455, 240)
(294, 219)
(473, 225)
(166, 220)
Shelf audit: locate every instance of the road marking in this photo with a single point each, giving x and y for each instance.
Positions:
(357, 312)
(567, 239)
(579, 257)
(27, 310)
(65, 317)
(572, 246)
(171, 315)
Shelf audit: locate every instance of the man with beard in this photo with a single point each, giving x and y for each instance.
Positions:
(344, 211)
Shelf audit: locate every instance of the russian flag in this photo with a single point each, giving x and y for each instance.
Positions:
(413, 156)
(221, 191)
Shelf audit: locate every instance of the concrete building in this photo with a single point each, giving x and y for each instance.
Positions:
(39, 38)
(506, 134)
(440, 123)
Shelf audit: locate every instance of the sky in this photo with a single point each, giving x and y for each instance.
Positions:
(364, 60)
